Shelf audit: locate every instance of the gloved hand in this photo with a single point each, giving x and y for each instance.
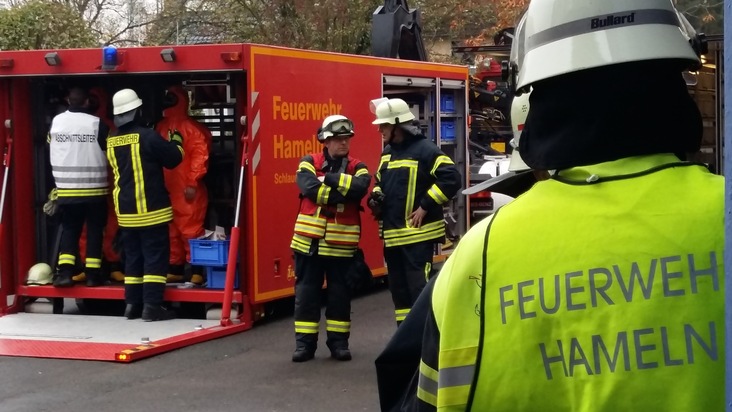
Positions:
(175, 136)
(375, 202)
(50, 206)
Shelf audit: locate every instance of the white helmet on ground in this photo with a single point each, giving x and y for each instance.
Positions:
(125, 100)
(39, 274)
(558, 37)
(519, 112)
(335, 125)
(393, 111)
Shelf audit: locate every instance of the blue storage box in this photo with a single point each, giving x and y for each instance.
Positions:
(216, 277)
(447, 103)
(447, 131)
(209, 252)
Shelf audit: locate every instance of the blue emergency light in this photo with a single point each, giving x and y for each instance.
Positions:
(109, 57)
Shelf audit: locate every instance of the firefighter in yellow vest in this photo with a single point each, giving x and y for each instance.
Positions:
(332, 184)
(600, 289)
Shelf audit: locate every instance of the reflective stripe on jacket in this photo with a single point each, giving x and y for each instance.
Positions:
(598, 290)
(137, 156)
(414, 174)
(330, 211)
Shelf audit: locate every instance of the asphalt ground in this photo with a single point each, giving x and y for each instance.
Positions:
(250, 371)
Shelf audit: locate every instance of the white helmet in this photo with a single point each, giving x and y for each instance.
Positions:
(335, 125)
(519, 112)
(125, 100)
(40, 274)
(557, 37)
(393, 111)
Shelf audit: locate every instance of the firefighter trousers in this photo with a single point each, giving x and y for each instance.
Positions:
(73, 217)
(146, 254)
(310, 271)
(409, 268)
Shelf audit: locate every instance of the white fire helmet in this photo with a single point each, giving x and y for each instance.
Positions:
(393, 111)
(519, 112)
(39, 274)
(555, 37)
(125, 100)
(335, 125)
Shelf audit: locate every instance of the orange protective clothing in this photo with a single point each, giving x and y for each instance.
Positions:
(188, 215)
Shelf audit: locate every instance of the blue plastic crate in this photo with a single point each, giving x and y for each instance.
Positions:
(216, 277)
(209, 252)
(447, 131)
(447, 103)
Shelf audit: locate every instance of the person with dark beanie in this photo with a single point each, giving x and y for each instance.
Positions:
(599, 289)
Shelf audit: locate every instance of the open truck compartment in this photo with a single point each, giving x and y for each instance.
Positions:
(263, 106)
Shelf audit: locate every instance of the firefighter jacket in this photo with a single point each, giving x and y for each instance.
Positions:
(78, 163)
(598, 290)
(329, 220)
(137, 156)
(412, 174)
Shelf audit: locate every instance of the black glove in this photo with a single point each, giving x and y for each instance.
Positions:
(375, 203)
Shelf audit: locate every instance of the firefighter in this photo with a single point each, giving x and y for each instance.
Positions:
(138, 156)
(332, 184)
(111, 258)
(79, 169)
(414, 181)
(600, 289)
(185, 184)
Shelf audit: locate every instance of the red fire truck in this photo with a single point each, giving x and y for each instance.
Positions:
(263, 105)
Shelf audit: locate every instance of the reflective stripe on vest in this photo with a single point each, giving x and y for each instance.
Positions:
(339, 225)
(78, 163)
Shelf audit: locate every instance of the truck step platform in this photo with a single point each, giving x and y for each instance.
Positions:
(102, 338)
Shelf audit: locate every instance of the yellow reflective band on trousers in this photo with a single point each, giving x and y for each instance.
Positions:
(66, 259)
(337, 326)
(627, 316)
(306, 327)
(448, 388)
(154, 279)
(410, 235)
(401, 314)
(133, 280)
(93, 263)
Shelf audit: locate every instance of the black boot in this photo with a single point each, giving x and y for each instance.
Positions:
(63, 281)
(302, 354)
(133, 311)
(152, 313)
(341, 354)
(94, 278)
